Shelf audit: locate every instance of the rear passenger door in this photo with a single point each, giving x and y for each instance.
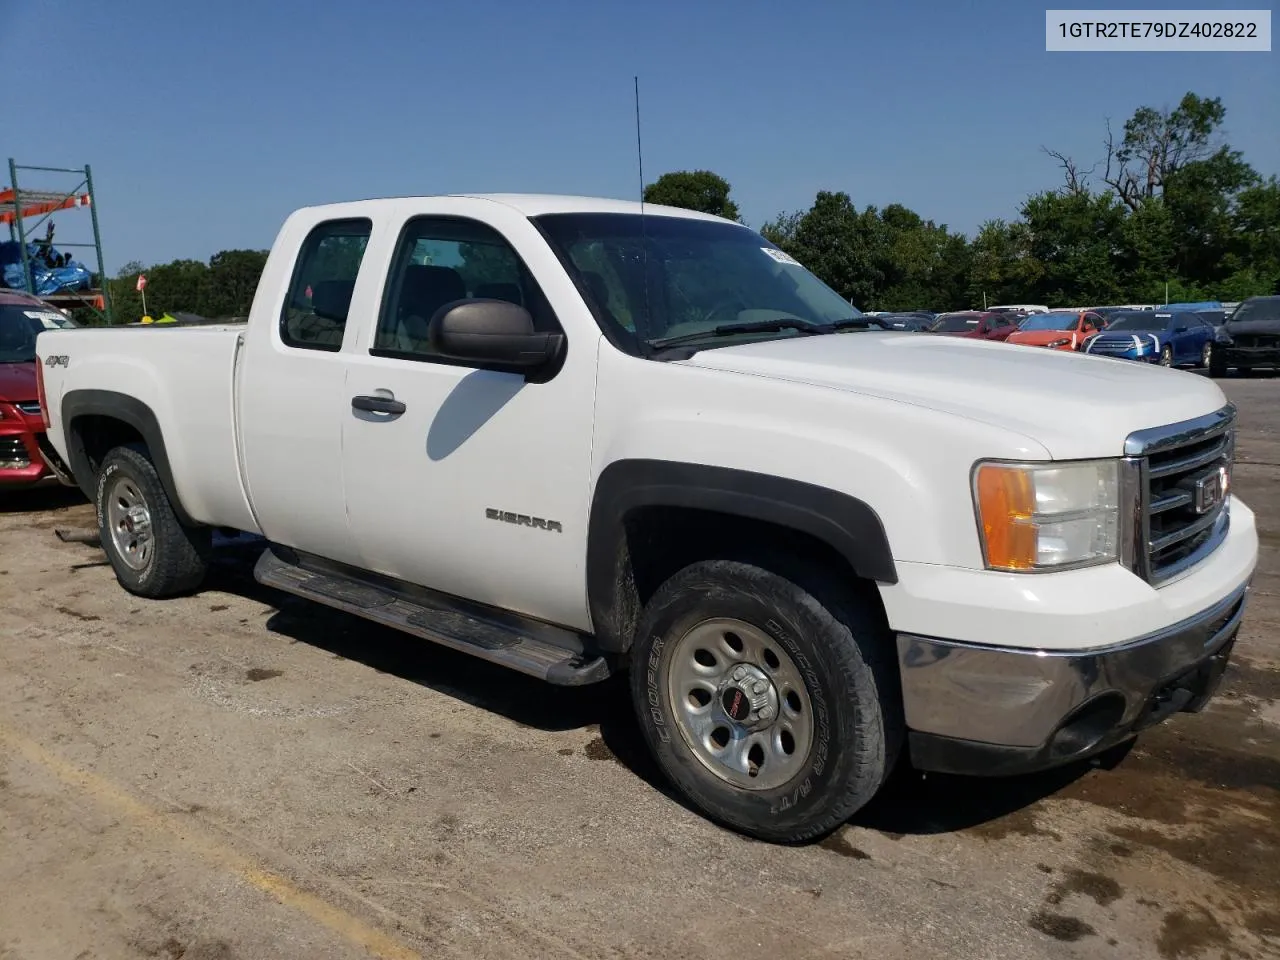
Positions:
(292, 396)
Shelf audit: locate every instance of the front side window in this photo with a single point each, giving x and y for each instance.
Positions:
(653, 278)
(315, 313)
(440, 260)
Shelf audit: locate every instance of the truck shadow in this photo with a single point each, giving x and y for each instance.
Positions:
(910, 803)
(40, 499)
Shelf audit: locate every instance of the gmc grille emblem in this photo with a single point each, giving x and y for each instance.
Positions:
(1210, 490)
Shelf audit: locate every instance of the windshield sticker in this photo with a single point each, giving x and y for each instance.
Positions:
(781, 256)
(50, 320)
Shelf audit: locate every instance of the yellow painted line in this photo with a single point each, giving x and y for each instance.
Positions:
(111, 797)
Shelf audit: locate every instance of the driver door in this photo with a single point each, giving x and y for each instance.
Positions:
(468, 480)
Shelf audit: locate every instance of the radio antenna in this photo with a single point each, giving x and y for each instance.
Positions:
(644, 239)
(639, 152)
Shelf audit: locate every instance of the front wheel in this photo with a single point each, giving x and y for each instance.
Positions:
(152, 552)
(1217, 363)
(1166, 357)
(771, 703)
(1206, 355)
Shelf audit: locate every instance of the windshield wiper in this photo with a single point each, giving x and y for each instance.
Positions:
(858, 323)
(755, 326)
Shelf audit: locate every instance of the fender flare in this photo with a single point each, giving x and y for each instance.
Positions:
(128, 410)
(846, 524)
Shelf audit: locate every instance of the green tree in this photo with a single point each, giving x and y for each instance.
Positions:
(1073, 242)
(999, 269)
(835, 241)
(699, 190)
(232, 281)
(1255, 242)
(1159, 143)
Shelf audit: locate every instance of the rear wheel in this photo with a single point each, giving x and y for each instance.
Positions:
(770, 702)
(152, 552)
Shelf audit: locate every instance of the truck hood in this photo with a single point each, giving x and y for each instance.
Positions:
(17, 382)
(1073, 404)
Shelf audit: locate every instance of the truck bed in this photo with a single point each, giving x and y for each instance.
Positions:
(187, 376)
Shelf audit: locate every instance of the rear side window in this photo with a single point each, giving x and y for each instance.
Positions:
(315, 312)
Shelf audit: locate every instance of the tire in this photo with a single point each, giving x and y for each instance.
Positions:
(1217, 364)
(1206, 356)
(156, 556)
(1166, 356)
(847, 691)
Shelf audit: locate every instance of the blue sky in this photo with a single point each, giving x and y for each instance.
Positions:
(206, 123)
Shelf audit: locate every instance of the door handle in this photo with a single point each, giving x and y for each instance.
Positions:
(377, 405)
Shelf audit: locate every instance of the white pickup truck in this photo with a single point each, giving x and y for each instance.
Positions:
(578, 436)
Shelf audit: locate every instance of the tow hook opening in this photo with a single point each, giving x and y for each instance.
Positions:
(1088, 725)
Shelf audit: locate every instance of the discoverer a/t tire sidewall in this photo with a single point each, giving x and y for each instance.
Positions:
(179, 558)
(842, 654)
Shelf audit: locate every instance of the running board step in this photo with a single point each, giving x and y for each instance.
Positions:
(502, 643)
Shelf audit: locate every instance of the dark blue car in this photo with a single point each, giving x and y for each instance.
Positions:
(1172, 339)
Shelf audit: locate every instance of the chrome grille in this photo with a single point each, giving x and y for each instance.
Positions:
(30, 407)
(1171, 475)
(1110, 346)
(13, 454)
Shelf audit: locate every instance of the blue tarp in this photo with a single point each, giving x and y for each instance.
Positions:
(73, 275)
(1190, 307)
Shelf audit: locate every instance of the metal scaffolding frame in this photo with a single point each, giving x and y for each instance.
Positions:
(17, 204)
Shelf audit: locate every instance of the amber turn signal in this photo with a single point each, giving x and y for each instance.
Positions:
(1006, 509)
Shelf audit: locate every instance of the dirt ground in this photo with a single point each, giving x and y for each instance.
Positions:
(241, 775)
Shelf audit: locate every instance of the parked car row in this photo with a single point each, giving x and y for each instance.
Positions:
(1208, 334)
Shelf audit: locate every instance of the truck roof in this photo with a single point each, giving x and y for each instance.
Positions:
(536, 204)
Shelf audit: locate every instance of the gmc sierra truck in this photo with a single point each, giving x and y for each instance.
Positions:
(579, 437)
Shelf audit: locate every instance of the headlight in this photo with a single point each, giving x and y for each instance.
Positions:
(1047, 516)
(1058, 343)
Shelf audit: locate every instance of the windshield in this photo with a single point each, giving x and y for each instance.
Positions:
(19, 324)
(1268, 309)
(954, 323)
(1050, 321)
(701, 274)
(1146, 320)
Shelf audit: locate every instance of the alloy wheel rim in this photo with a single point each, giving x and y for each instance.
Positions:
(129, 520)
(740, 703)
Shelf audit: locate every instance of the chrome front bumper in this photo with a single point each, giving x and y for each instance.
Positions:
(998, 710)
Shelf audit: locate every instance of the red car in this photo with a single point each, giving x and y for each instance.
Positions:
(976, 324)
(23, 463)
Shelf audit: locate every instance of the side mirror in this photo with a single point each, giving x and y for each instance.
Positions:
(491, 331)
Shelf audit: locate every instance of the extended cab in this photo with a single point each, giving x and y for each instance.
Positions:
(578, 436)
